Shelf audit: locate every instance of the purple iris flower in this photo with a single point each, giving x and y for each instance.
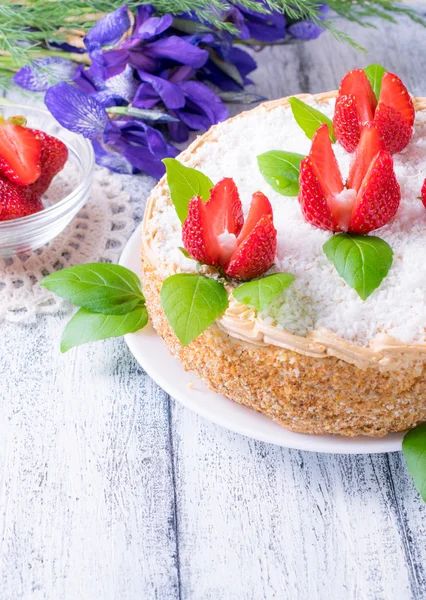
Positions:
(193, 103)
(116, 90)
(257, 26)
(306, 29)
(146, 49)
(141, 145)
(45, 72)
(76, 110)
(108, 30)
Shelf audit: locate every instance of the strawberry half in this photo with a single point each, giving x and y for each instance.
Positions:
(378, 198)
(256, 253)
(395, 114)
(17, 201)
(356, 105)
(371, 197)
(54, 155)
(320, 181)
(214, 233)
(20, 151)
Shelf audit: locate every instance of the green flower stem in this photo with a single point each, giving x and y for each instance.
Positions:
(6, 60)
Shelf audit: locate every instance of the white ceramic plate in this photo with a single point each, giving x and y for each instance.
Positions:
(186, 387)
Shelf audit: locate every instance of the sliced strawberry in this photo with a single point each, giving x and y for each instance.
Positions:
(378, 198)
(17, 201)
(424, 193)
(20, 151)
(395, 131)
(394, 114)
(355, 105)
(259, 207)
(312, 198)
(54, 155)
(197, 234)
(394, 93)
(369, 145)
(255, 255)
(356, 83)
(346, 125)
(325, 162)
(210, 232)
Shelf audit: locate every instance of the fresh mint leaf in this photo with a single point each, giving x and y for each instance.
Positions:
(185, 183)
(375, 75)
(192, 303)
(414, 450)
(99, 287)
(362, 261)
(309, 118)
(261, 292)
(281, 170)
(87, 326)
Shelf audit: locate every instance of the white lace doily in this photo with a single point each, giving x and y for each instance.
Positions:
(98, 233)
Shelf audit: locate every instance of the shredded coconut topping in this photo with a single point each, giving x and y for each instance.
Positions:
(318, 297)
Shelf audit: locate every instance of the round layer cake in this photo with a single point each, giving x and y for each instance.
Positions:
(318, 359)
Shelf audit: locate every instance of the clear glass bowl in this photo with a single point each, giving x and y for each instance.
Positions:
(66, 195)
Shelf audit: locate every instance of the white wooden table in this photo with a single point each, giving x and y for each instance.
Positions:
(110, 490)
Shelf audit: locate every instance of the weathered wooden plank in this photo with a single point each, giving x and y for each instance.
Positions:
(86, 486)
(256, 521)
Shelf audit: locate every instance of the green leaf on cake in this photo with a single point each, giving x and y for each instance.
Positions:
(414, 450)
(362, 261)
(309, 118)
(375, 75)
(281, 170)
(261, 292)
(185, 183)
(192, 303)
(99, 287)
(87, 326)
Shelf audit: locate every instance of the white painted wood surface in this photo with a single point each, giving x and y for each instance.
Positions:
(111, 491)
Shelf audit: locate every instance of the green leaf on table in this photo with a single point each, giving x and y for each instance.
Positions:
(414, 450)
(362, 261)
(261, 292)
(99, 287)
(192, 303)
(375, 75)
(185, 183)
(281, 170)
(87, 326)
(309, 118)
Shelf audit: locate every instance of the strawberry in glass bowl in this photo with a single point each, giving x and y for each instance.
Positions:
(45, 177)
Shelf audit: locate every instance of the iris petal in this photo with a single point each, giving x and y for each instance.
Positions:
(76, 110)
(109, 29)
(45, 72)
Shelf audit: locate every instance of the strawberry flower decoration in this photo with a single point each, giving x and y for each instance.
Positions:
(215, 233)
(371, 197)
(356, 105)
